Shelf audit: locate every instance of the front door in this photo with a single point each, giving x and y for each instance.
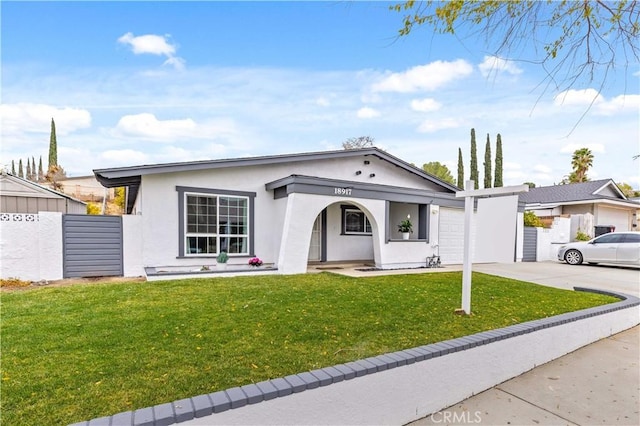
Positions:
(315, 248)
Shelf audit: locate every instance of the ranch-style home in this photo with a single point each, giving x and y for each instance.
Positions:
(295, 209)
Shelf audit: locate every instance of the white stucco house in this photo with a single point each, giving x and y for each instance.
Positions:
(293, 209)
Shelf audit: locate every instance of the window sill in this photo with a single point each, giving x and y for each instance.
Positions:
(413, 240)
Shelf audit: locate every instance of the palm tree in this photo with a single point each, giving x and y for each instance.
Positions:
(581, 161)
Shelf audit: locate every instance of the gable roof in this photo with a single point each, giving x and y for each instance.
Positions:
(603, 189)
(132, 176)
(15, 186)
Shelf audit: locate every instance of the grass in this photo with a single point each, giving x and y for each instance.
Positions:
(75, 353)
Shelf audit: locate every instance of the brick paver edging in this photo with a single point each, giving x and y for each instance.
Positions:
(217, 402)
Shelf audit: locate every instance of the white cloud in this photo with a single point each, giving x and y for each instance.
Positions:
(322, 101)
(511, 166)
(541, 168)
(424, 77)
(584, 97)
(594, 147)
(367, 112)
(154, 45)
(36, 118)
(150, 43)
(425, 105)
(123, 157)
(432, 125)
(619, 104)
(495, 65)
(147, 126)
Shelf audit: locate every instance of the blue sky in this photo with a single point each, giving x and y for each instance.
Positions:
(151, 82)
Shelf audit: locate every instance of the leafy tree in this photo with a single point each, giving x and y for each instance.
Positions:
(530, 184)
(474, 159)
(359, 142)
(497, 178)
(13, 167)
(20, 171)
(530, 219)
(53, 146)
(572, 41)
(119, 197)
(439, 170)
(581, 161)
(93, 208)
(487, 164)
(54, 175)
(628, 190)
(460, 170)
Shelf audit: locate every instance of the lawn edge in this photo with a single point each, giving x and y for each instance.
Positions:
(230, 399)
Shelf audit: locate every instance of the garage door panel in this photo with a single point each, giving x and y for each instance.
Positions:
(612, 216)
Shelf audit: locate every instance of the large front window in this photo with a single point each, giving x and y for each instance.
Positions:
(216, 223)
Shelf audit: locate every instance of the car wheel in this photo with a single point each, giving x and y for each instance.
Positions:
(573, 257)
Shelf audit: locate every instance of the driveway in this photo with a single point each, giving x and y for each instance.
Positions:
(556, 274)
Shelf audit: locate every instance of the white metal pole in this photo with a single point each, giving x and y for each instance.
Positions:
(466, 265)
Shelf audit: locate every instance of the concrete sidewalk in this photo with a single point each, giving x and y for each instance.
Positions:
(598, 384)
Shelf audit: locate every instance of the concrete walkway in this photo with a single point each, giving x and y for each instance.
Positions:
(598, 384)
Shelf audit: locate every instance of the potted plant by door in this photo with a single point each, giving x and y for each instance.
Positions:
(222, 260)
(406, 227)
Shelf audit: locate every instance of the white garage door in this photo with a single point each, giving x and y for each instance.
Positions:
(611, 216)
(451, 238)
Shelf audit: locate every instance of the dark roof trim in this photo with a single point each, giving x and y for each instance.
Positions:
(123, 176)
(324, 186)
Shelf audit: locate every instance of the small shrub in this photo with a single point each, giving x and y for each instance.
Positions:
(222, 257)
(582, 236)
(530, 219)
(14, 282)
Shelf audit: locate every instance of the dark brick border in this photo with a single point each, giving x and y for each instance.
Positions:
(217, 402)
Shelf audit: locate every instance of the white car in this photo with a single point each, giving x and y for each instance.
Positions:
(615, 247)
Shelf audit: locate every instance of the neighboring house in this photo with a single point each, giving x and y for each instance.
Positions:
(293, 209)
(600, 198)
(86, 188)
(18, 195)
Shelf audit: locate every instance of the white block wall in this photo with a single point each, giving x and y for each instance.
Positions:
(31, 246)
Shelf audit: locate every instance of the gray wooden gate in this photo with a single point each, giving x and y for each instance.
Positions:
(92, 246)
(530, 244)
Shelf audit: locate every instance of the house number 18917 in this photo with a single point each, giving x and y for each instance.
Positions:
(342, 191)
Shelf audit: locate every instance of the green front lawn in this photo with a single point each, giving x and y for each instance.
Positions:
(75, 353)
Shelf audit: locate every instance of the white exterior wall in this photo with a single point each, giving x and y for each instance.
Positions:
(158, 202)
(132, 246)
(345, 247)
(31, 250)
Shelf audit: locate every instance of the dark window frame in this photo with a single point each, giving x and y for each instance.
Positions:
(346, 208)
(183, 191)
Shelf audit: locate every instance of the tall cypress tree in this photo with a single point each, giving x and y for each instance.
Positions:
(34, 172)
(20, 171)
(497, 182)
(29, 175)
(474, 160)
(13, 167)
(40, 171)
(487, 164)
(53, 146)
(460, 170)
